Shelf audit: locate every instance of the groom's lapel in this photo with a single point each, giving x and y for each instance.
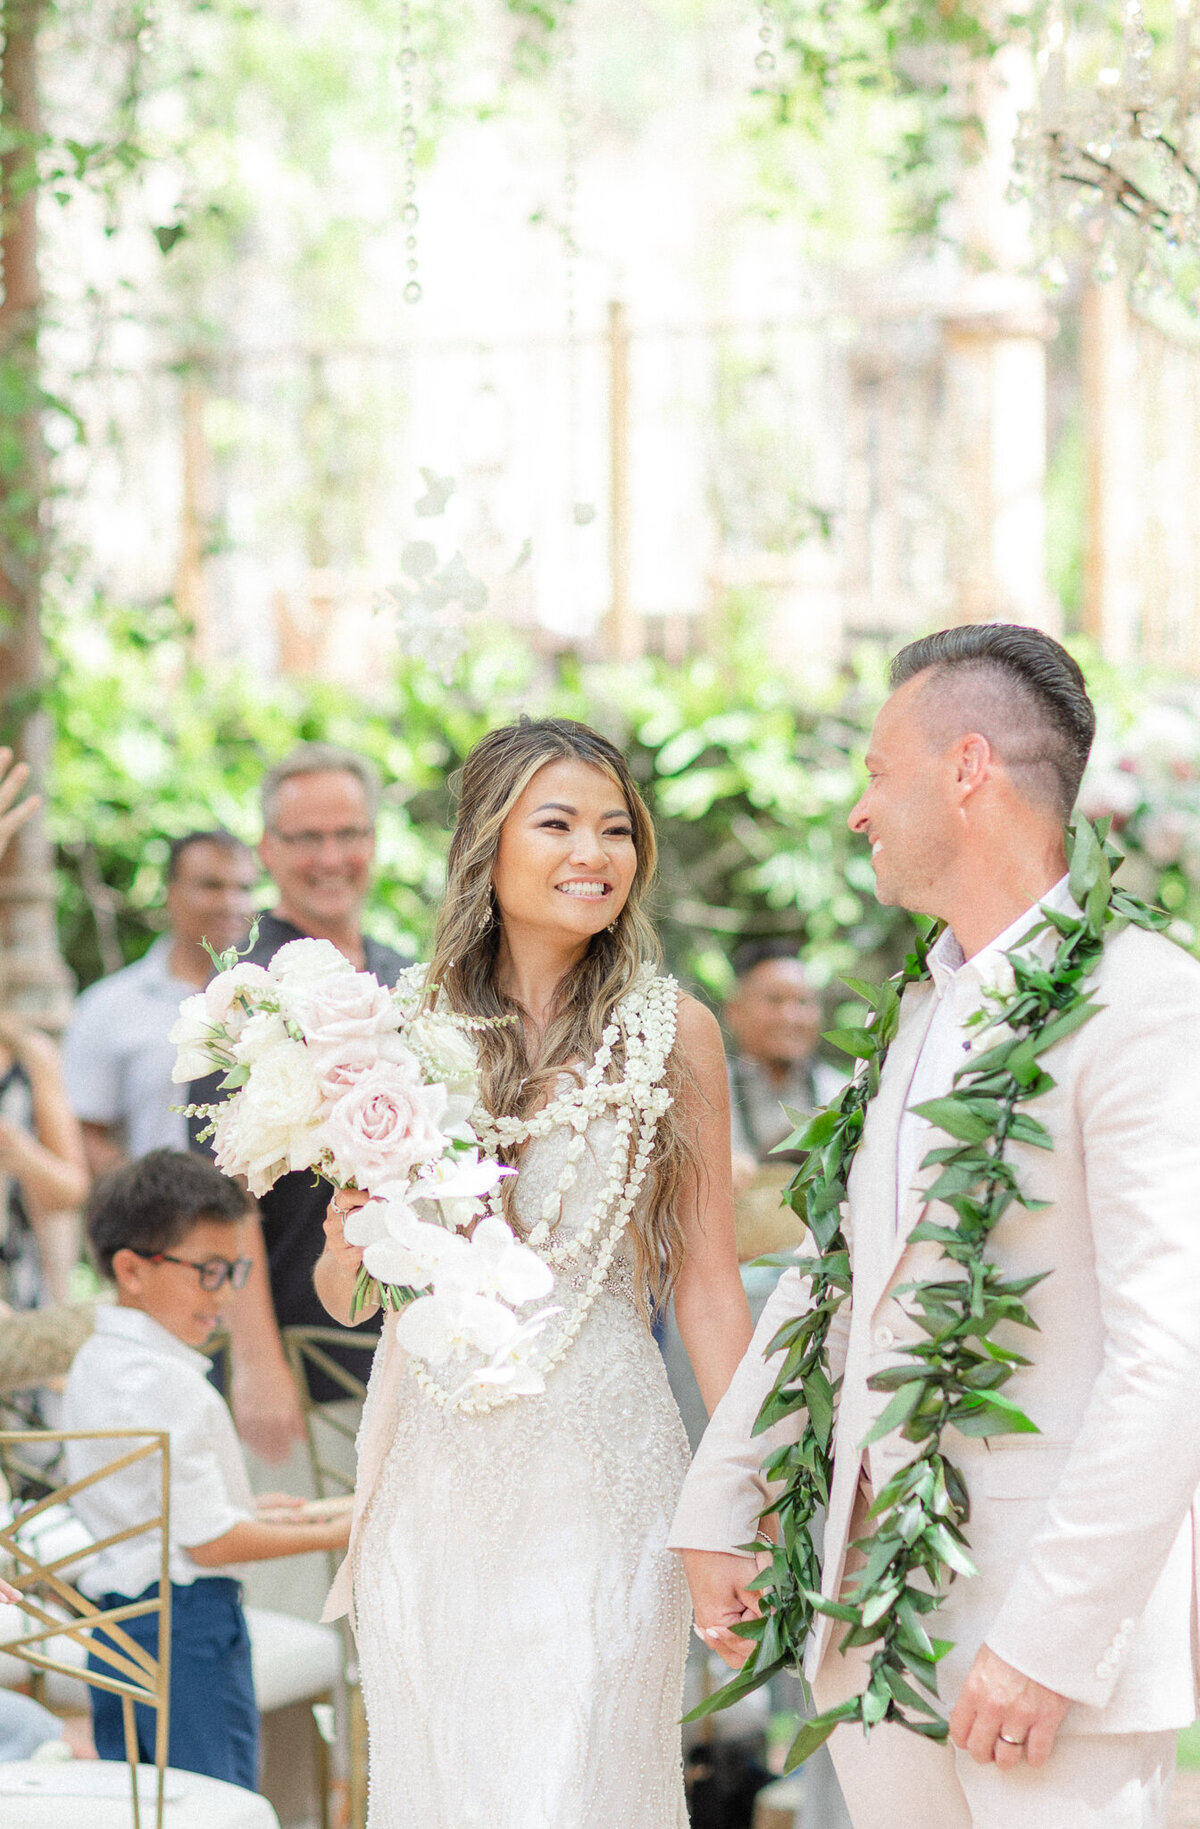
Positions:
(874, 1205)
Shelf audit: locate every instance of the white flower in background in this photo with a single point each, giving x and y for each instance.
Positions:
(1165, 739)
(1109, 793)
(385, 1125)
(447, 1051)
(262, 1034)
(194, 1034)
(338, 1008)
(1163, 834)
(449, 1325)
(458, 1182)
(308, 961)
(499, 1265)
(224, 994)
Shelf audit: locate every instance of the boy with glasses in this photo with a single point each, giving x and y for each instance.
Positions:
(166, 1229)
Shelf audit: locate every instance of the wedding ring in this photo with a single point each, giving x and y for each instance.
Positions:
(1008, 1739)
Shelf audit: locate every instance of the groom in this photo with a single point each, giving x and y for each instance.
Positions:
(1074, 1645)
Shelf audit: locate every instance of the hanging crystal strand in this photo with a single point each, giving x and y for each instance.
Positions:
(582, 513)
(409, 214)
(764, 62)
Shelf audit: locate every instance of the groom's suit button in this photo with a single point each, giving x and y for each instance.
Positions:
(884, 1337)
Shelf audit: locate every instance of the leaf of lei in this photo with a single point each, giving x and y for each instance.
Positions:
(954, 1376)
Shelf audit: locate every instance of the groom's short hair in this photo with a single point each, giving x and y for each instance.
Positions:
(1018, 688)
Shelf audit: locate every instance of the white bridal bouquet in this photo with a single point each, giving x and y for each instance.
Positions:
(327, 1070)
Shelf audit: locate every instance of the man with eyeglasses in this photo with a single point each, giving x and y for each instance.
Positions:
(319, 806)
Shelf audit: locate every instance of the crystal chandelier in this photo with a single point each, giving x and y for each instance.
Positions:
(1119, 160)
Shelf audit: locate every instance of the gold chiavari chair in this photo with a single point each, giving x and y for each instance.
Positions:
(63, 1613)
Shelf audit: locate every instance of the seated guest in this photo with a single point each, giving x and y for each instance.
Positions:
(116, 1056)
(167, 1230)
(774, 1021)
(43, 1170)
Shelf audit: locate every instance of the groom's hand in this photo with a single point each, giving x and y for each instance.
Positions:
(721, 1599)
(1000, 1706)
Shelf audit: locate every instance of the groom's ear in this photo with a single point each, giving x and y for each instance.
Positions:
(973, 761)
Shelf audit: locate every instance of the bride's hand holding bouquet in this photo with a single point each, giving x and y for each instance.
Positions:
(326, 1070)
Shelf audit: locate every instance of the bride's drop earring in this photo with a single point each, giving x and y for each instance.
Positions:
(489, 918)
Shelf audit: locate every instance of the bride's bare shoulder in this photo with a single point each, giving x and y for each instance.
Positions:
(698, 1032)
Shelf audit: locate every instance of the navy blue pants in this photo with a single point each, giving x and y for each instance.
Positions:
(214, 1718)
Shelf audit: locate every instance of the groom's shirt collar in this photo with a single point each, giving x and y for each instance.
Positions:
(946, 959)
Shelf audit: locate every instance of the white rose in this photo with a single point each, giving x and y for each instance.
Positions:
(193, 1035)
(338, 1008)
(262, 1034)
(304, 961)
(448, 1050)
(385, 1125)
(275, 1118)
(224, 994)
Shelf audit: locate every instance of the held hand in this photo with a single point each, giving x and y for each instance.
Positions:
(10, 1594)
(721, 1599)
(266, 1409)
(1003, 1716)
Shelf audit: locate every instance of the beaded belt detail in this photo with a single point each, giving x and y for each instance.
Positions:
(618, 1279)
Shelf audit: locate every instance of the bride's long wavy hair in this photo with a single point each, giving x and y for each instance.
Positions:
(491, 781)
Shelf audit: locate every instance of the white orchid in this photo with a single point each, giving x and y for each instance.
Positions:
(512, 1365)
(403, 1249)
(458, 1183)
(499, 1265)
(453, 1323)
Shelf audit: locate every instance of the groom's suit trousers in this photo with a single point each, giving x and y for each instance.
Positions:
(897, 1780)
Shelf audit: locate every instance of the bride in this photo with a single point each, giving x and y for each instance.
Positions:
(522, 1628)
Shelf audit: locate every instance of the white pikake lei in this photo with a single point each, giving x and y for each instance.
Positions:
(645, 1018)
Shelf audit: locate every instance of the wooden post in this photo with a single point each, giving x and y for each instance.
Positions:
(33, 979)
(624, 627)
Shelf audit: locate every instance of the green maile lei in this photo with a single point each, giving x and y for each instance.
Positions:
(954, 1377)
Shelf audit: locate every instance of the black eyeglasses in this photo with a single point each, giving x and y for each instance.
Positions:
(214, 1272)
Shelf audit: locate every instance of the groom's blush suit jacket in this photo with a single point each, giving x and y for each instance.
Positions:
(1084, 1535)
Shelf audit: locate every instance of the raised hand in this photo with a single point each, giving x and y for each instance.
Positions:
(14, 811)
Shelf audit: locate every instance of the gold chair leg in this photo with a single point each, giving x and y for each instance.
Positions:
(357, 1717)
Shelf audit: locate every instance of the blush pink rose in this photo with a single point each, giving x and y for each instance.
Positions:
(384, 1125)
(338, 1072)
(344, 1007)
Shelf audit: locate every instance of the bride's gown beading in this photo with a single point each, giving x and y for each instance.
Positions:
(522, 1630)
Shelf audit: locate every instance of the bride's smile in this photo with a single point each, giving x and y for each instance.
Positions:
(566, 857)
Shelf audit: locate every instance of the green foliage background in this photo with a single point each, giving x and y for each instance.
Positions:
(749, 777)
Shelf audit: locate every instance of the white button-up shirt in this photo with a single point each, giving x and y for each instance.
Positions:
(117, 1060)
(133, 1374)
(959, 987)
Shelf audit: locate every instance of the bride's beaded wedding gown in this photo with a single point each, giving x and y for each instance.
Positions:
(521, 1628)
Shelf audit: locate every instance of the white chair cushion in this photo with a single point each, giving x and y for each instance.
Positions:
(35, 1796)
(294, 1660)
